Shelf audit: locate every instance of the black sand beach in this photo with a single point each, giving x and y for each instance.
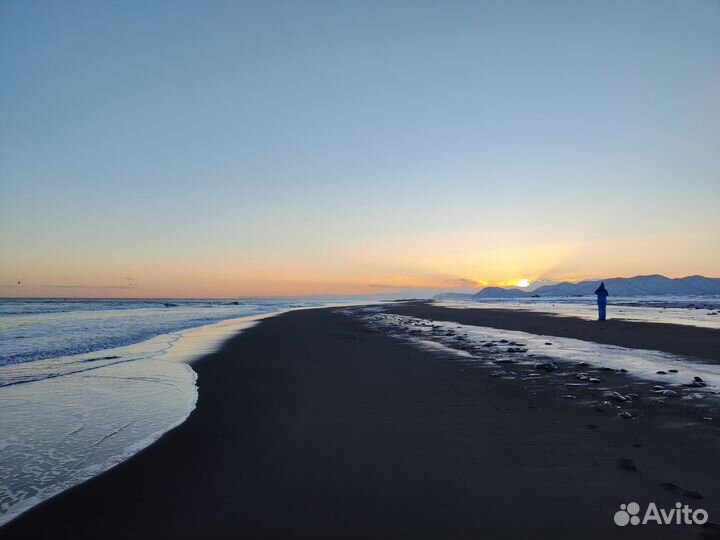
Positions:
(310, 425)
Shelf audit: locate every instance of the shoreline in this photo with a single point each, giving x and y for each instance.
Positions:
(309, 424)
(156, 360)
(74, 435)
(685, 340)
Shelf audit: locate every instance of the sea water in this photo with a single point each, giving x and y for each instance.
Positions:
(84, 384)
(702, 311)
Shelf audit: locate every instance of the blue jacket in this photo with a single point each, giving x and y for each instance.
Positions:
(601, 292)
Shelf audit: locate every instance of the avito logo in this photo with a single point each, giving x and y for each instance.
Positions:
(629, 514)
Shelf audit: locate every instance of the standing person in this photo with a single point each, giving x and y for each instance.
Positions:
(602, 295)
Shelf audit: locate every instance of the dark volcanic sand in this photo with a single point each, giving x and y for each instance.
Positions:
(310, 425)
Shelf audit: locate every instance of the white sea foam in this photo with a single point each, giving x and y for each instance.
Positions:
(33, 330)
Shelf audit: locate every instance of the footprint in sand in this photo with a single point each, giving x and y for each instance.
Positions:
(627, 464)
(673, 488)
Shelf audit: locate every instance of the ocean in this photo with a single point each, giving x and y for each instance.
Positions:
(84, 384)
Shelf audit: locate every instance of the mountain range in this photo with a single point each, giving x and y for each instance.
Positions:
(654, 285)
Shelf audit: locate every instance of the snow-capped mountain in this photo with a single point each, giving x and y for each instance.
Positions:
(653, 285)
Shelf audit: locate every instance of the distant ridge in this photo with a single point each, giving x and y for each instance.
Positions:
(653, 285)
(499, 292)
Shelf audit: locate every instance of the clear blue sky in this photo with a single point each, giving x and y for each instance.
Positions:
(278, 147)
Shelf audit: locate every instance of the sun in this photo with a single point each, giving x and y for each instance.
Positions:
(523, 283)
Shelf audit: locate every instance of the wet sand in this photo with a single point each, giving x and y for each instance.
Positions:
(672, 338)
(312, 425)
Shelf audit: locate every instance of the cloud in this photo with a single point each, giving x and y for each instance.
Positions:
(464, 283)
(452, 283)
(128, 286)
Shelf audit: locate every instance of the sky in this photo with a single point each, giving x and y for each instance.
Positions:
(227, 149)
